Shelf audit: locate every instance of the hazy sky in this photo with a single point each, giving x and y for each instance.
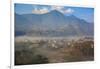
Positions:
(83, 13)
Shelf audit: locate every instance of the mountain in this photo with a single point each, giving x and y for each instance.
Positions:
(53, 23)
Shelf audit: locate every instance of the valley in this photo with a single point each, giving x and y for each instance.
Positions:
(53, 50)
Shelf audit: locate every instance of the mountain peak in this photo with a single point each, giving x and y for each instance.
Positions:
(55, 12)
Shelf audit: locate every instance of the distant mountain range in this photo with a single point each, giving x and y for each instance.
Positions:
(53, 23)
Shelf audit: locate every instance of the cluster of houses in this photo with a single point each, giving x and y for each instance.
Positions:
(59, 43)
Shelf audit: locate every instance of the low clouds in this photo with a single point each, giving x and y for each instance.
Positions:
(44, 9)
(40, 11)
(56, 8)
(63, 9)
(69, 11)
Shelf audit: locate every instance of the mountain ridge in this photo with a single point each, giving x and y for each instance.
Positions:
(53, 23)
